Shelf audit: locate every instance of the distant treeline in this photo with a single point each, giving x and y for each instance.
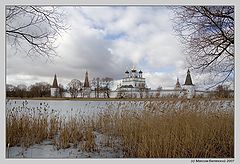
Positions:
(41, 89)
(222, 92)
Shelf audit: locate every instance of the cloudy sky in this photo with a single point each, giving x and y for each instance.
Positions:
(105, 41)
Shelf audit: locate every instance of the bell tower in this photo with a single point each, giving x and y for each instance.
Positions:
(54, 88)
(188, 86)
(86, 86)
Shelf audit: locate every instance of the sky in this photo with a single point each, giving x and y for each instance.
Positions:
(106, 41)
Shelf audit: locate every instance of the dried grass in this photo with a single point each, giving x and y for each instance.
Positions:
(167, 129)
(202, 132)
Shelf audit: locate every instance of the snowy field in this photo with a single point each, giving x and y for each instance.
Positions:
(46, 150)
(65, 109)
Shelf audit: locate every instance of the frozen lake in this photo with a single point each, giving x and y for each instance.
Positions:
(68, 107)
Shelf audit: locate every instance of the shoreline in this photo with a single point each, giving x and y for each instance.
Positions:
(112, 99)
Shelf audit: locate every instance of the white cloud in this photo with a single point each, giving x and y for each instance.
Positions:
(106, 41)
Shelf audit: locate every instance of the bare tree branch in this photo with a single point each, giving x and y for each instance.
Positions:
(208, 35)
(35, 27)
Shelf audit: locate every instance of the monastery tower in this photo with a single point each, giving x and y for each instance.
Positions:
(55, 88)
(188, 86)
(86, 86)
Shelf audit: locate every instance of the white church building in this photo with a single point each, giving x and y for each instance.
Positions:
(133, 85)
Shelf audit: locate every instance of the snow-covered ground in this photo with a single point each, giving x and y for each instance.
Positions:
(47, 150)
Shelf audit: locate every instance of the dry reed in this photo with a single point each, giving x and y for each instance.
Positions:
(161, 131)
(164, 129)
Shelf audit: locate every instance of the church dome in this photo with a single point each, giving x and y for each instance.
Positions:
(133, 70)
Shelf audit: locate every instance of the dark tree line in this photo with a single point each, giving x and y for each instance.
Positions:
(74, 87)
(222, 91)
(41, 89)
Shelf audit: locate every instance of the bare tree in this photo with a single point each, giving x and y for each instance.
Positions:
(106, 84)
(96, 86)
(61, 90)
(74, 87)
(10, 90)
(159, 88)
(45, 89)
(41, 89)
(222, 92)
(21, 90)
(208, 33)
(34, 29)
(102, 85)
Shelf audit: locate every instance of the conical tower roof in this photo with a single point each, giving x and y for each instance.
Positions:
(188, 80)
(178, 84)
(86, 82)
(55, 84)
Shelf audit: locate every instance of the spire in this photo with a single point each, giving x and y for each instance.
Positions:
(86, 82)
(55, 84)
(188, 80)
(177, 86)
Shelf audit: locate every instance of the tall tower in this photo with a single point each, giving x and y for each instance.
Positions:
(188, 86)
(178, 86)
(55, 88)
(86, 82)
(188, 80)
(86, 86)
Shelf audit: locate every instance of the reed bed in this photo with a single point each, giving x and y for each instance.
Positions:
(163, 129)
(26, 127)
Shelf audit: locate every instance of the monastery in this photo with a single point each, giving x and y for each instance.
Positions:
(133, 85)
